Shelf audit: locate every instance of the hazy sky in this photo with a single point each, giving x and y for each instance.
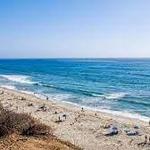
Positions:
(74, 28)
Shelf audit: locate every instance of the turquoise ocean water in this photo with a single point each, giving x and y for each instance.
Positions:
(118, 86)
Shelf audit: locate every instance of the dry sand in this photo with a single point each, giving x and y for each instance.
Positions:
(84, 128)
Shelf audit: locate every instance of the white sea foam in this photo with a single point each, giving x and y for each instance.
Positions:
(96, 95)
(9, 87)
(59, 97)
(126, 114)
(18, 78)
(27, 92)
(115, 96)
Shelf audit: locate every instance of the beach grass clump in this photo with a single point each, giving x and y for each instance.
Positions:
(37, 130)
(23, 124)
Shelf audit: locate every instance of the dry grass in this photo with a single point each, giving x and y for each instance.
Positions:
(21, 131)
(22, 124)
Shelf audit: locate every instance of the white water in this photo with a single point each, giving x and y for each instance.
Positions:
(18, 78)
(8, 87)
(115, 96)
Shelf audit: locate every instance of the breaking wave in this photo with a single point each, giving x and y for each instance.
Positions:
(18, 78)
(115, 96)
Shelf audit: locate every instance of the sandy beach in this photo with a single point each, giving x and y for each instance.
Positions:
(85, 128)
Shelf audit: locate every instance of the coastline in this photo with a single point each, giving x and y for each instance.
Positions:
(124, 114)
(82, 127)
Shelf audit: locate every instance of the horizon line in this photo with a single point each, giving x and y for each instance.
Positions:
(75, 58)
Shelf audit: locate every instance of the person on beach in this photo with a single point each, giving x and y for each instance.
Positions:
(145, 139)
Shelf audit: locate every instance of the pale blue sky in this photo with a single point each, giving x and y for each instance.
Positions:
(74, 28)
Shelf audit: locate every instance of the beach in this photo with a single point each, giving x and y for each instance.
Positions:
(74, 75)
(83, 127)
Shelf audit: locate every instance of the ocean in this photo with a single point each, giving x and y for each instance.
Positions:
(117, 86)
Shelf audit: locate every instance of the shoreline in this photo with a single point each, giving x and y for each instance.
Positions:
(120, 114)
(82, 127)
